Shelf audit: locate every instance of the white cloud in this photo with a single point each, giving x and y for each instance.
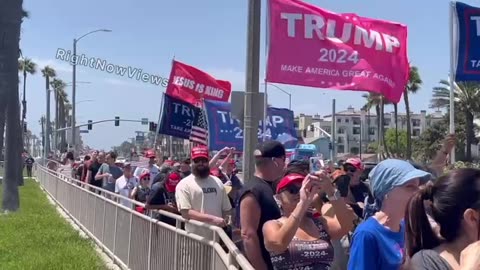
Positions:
(59, 66)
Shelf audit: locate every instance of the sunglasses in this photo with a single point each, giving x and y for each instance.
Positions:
(351, 169)
(292, 189)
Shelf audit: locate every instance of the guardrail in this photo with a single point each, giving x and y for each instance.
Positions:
(136, 241)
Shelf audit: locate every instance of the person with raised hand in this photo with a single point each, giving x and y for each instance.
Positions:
(298, 239)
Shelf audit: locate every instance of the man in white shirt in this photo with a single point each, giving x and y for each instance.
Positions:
(125, 184)
(152, 168)
(201, 196)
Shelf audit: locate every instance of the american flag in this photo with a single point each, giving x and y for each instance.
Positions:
(199, 133)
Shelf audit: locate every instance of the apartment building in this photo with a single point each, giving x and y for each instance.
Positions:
(355, 129)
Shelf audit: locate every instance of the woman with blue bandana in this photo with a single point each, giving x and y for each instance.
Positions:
(378, 243)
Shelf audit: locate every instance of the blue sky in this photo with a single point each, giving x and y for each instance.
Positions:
(209, 34)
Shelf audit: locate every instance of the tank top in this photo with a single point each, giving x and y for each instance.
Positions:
(306, 255)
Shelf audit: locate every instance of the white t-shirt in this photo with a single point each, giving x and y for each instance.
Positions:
(124, 187)
(153, 170)
(206, 196)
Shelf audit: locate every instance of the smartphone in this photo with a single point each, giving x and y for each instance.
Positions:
(316, 164)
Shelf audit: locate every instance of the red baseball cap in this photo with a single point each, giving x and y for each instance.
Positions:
(355, 162)
(200, 152)
(150, 154)
(287, 180)
(144, 175)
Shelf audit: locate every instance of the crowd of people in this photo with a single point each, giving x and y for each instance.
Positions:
(404, 216)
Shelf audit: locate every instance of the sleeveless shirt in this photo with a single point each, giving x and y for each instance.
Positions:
(306, 255)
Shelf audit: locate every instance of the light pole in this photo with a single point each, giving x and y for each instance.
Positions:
(74, 78)
(285, 92)
(252, 82)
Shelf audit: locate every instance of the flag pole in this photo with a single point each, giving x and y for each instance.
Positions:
(452, 74)
(265, 108)
(162, 104)
(205, 119)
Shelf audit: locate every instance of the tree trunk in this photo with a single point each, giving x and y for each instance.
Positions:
(409, 126)
(56, 126)
(397, 144)
(10, 22)
(382, 117)
(61, 115)
(368, 126)
(469, 135)
(379, 130)
(24, 101)
(42, 123)
(47, 119)
(3, 105)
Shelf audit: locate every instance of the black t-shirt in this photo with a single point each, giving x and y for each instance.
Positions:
(263, 193)
(93, 168)
(142, 193)
(160, 196)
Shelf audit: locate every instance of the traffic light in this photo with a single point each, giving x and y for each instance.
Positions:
(89, 126)
(117, 121)
(330, 146)
(152, 126)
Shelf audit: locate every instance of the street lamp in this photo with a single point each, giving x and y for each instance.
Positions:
(284, 91)
(74, 78)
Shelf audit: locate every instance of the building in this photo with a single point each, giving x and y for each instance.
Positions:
(355, 129)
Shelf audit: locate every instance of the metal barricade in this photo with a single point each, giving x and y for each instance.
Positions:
(134, 240)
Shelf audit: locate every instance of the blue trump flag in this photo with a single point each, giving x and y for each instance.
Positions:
(224, 131)
(467, 42)
(177, 117)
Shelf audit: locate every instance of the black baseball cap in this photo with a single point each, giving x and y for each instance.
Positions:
(270, 149)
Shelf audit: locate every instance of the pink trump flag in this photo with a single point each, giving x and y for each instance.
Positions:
(310, 46)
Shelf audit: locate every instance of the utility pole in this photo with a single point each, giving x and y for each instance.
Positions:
(251, 114)
(74, 93)
(334, 133)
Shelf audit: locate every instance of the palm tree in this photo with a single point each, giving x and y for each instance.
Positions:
(377, 101)
(395, 116)
(48, 73)
(60, 95)
(42, 122)
(467, 102)
(26, 66)
(11, 14)
(413, 85)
